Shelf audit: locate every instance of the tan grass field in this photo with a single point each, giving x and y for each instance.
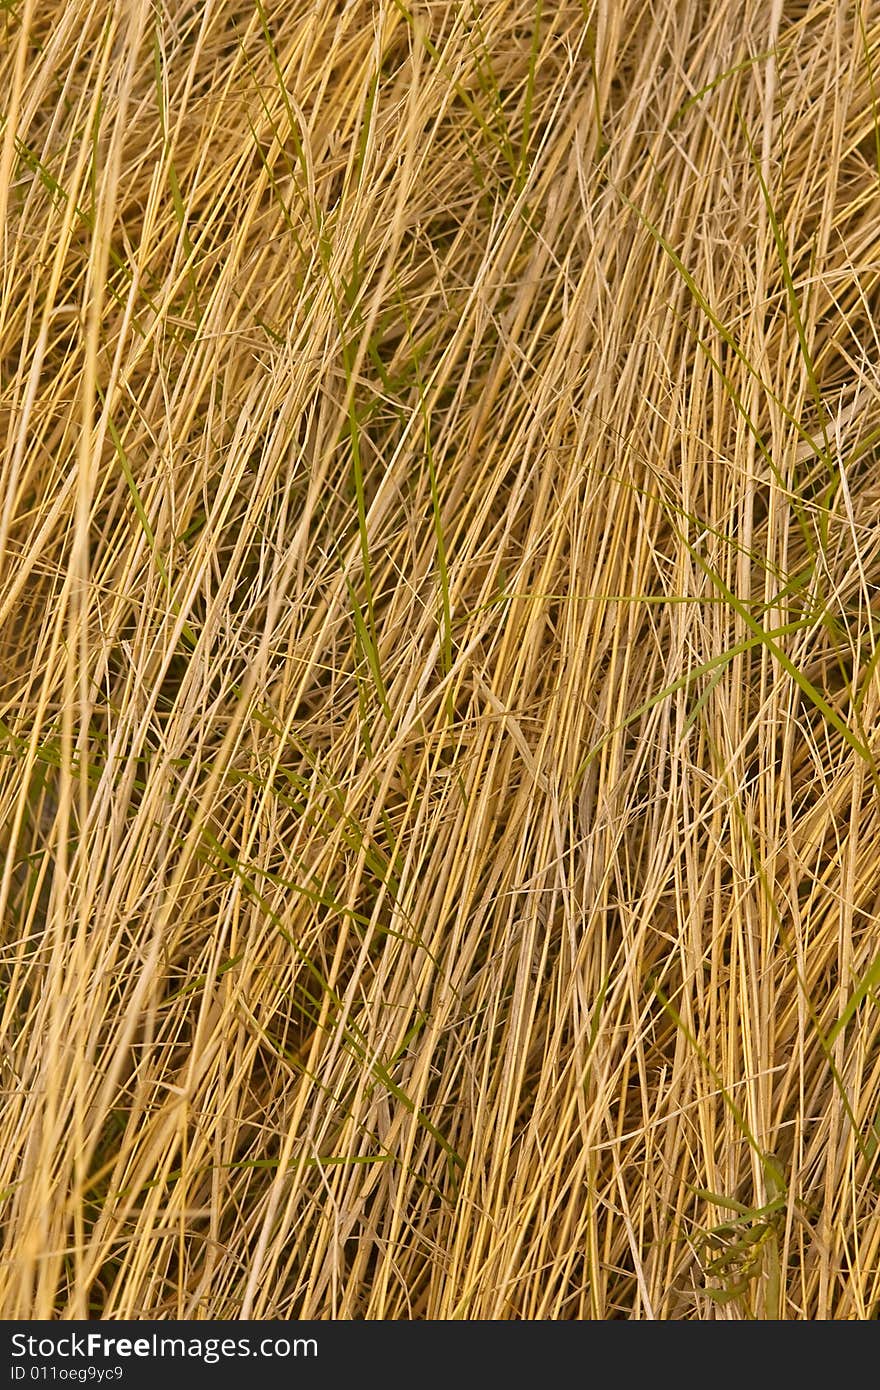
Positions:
(439, 694)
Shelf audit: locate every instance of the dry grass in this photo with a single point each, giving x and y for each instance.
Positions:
(439, 694)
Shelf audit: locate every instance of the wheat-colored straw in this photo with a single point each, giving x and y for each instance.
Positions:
(438, 667)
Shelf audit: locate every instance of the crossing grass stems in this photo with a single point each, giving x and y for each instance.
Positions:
(438, 659)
